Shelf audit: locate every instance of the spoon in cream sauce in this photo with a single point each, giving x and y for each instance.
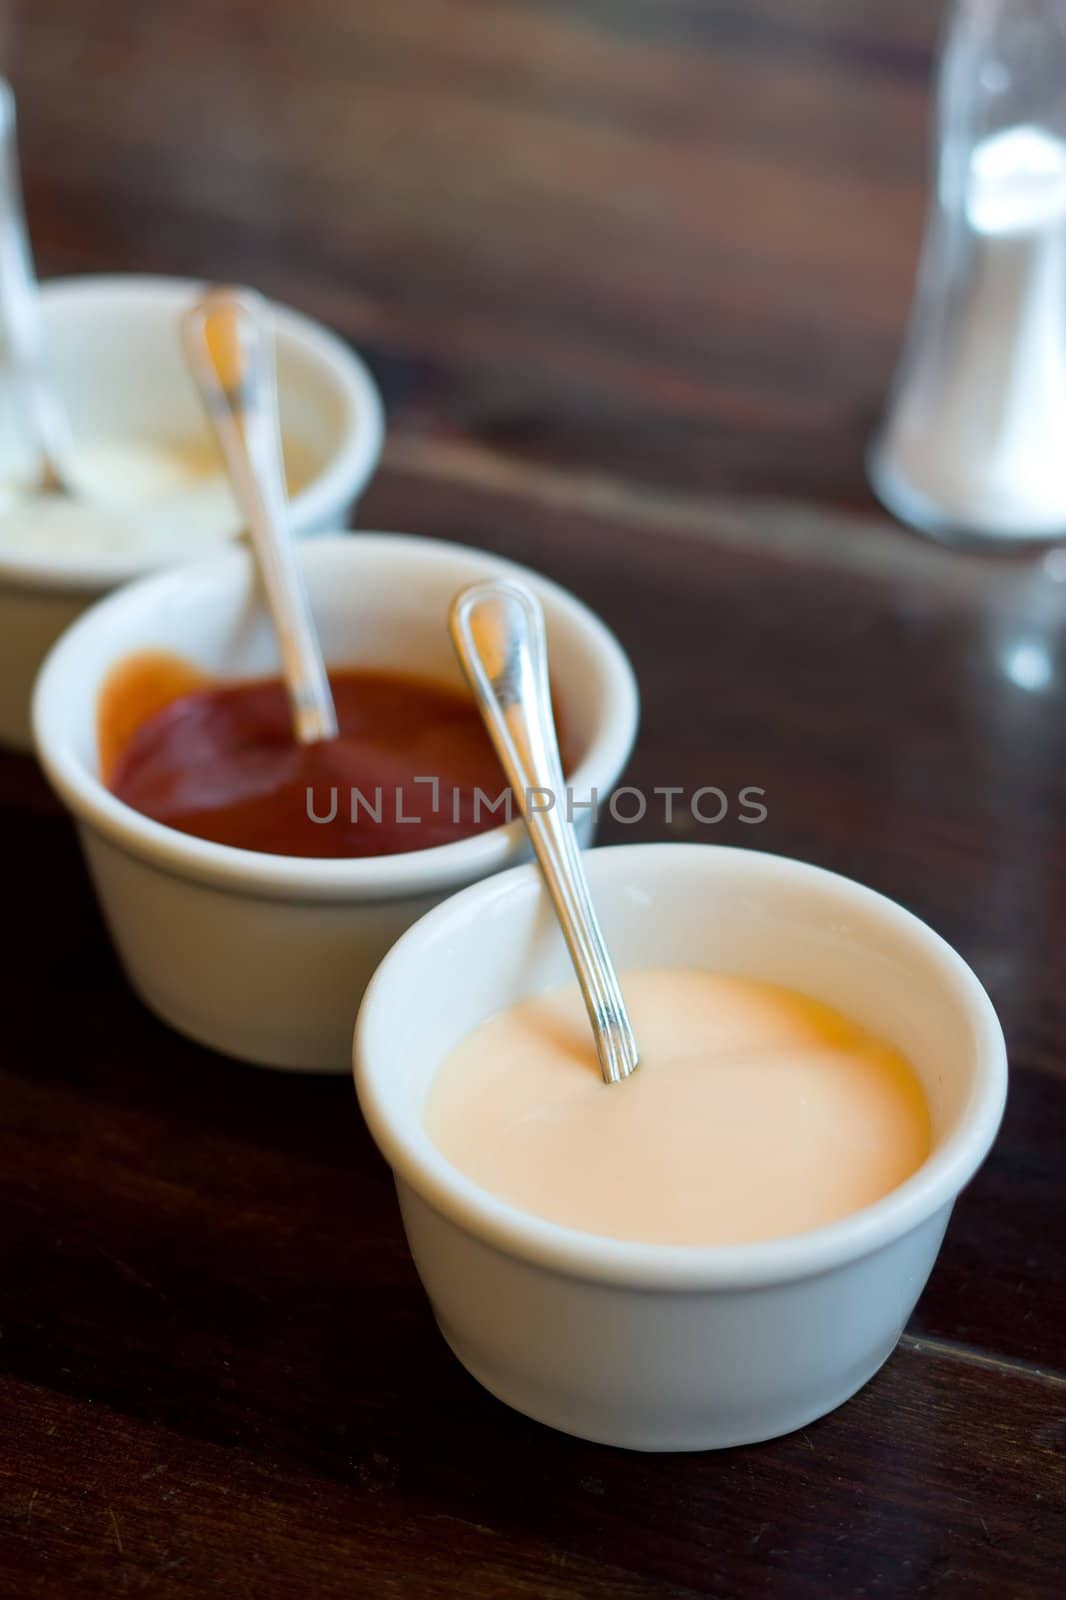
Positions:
(229, 348)
(21, 312)
(498, 632)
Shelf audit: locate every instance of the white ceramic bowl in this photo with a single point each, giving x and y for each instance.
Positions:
(115, 354)
(677, 1347)
(266, 956)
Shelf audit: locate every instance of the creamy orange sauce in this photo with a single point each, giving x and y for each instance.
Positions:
(755, 1113)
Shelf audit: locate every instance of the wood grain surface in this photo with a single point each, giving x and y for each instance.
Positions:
(632, 275)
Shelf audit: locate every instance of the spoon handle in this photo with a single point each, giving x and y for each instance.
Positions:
(498, 632)
(229, 346)
(21, 311)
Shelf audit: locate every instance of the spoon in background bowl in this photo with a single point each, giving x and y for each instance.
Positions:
(20, 310)
(229, 348)
(498, 632)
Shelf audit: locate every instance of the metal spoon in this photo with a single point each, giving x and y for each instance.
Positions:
(498, 632)
(21, 312)
(229, 348)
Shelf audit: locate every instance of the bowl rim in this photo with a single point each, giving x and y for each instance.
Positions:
(343, 476)
(299, 878)
(417, 1162)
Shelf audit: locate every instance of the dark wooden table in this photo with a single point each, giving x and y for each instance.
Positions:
(632, 275)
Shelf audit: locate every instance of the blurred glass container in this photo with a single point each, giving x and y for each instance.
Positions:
(973, 444)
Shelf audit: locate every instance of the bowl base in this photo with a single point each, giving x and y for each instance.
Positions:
(697, 1435)
(229, 1049)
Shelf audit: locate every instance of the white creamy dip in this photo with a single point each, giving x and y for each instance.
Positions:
(156, 501)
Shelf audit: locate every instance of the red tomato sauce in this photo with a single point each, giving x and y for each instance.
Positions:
(218, 760)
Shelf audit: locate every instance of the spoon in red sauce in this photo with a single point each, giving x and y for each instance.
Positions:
(229, 349)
